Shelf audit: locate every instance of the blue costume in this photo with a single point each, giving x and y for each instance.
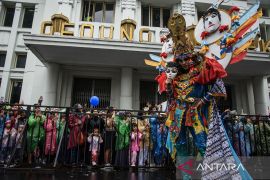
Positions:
(158, 138)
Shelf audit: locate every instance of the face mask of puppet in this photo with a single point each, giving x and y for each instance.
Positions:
(171, 72)
(168, 46)
(185, 61)
(211, 22)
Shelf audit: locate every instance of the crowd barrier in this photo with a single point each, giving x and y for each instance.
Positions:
(44, 136)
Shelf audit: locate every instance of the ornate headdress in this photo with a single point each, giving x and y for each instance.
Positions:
(177, 27)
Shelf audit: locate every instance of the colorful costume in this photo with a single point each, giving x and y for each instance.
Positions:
(2, 124)
(144, 128)
(122, 128)
(35, 132)
(76, 136)
(158, 138)
(136, 138)
(60, 129)
(51, 131)
(8, 141)
(193, 80)
(75, 122)
(94, 140)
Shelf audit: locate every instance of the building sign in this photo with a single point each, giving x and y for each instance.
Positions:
(60, 25)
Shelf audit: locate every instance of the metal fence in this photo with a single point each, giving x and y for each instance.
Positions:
(43, 136)
(249, 135)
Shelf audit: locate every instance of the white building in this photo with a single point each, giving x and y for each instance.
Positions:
(92, 55)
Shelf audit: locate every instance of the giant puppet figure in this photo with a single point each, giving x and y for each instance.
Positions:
(193, 80)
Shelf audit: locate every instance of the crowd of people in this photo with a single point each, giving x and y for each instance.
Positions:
(249, 135)
(39, 136)
(109, 137)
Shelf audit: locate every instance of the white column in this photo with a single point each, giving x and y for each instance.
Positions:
(250, 97)
(32, 61)
(188, 11)
(59, 87)
(136, 93)
(177, 8)
(64, 88)
(126, 88)
(117, 23)
(77, 16)
(10, 51)
(51, 81)
(260, 86)
(65, 7)
(238, 98)
(115, 90)
(1, 8)
(68, 99)
(128, 8)
(138, 13)
(244, 98)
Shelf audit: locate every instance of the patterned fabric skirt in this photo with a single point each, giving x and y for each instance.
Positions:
(219, 152)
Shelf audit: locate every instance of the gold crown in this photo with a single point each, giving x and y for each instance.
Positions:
(177, 27)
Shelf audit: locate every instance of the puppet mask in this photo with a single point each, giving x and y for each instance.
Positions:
(211, 22)
(171, 72)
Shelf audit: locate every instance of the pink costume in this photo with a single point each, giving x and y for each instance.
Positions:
(74, 123)
(136, 137)
(94, 146)
(50, 129)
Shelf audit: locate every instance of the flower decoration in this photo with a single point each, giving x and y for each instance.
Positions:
(204, 34)
(230, 41)
(164, 55)
(233, 9)
(163, 39)
(204, 49)
(223, 28)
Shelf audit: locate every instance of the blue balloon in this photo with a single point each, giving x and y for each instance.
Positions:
(94, 100)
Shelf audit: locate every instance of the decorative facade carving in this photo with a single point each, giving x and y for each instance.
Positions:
(128, 4)
(188, 7)
(69, 2)
(177, 8)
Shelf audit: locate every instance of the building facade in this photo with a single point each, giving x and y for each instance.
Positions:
(70, 50)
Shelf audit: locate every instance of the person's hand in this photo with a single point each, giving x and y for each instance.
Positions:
(55, 119)
(38, 114)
